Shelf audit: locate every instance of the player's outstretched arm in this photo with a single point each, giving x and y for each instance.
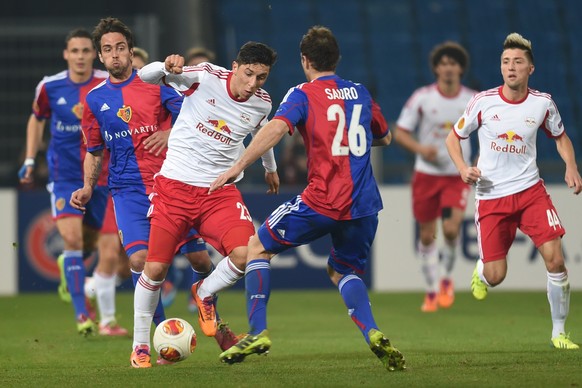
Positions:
(266, 138)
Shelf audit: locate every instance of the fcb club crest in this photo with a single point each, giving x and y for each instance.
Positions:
(78, 110)
(124, 113)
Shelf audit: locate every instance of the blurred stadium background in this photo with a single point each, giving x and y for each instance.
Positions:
(385, 45)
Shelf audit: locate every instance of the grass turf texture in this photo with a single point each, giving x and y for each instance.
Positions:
(502, 341)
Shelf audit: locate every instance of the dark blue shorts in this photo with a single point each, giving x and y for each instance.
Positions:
(294, 223)
(61, 191)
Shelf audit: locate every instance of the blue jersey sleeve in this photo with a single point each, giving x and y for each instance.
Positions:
(294, 107)
(172, 100)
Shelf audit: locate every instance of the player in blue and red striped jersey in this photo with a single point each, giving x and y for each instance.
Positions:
(339, 123)
(60, 98)
(132, 120)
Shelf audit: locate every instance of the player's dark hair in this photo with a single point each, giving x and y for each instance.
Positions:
(321, 48)
(452, 50)
(108, 25)
(77, 33)
(256, 52)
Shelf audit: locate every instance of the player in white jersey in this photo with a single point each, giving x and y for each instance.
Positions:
(510, 193)
(437, 189)
(220, 109)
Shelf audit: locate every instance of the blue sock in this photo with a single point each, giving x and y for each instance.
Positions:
(159, 314)
(196, 276)
(258, 290)
(355, 295)
(75, 275)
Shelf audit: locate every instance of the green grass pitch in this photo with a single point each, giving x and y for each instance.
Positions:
(500, 342)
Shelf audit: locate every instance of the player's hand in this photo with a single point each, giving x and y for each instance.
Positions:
(429, 153)
(174, 63)
(25, 172)
(80, 197)
(157, 142)
(226, 177)
(470, 175)
(573, 180)
(272, 179)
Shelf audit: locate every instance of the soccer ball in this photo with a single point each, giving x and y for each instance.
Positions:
(174, 339)
(90, 288)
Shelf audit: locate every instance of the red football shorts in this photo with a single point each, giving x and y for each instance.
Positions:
(221, 218)
(530, 210)
(109, 223)
(432, 193)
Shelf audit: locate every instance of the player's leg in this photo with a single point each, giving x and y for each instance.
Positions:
(257, 285)
(147, 292)
(109, 249)
(426, 210)
(225, 223)
(70, 229)
(351, 241)
(289, 225)
(540, 221)
(451, 222)
(453, 201)
(558, 290)
(427, 253)
(201, 265)
(100, 232)
(496, 229)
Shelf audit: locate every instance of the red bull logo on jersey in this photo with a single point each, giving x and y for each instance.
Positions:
(508, 138)
(124, 113)
(78, 110)
(218, 131)
(220, 126)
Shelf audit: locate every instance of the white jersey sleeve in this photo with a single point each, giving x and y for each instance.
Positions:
(156, 73)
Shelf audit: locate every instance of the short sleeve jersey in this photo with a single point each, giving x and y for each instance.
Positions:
(120, 117)
(507, 133)
(208, 135)
(61, 100)
(338, 121)
(432, 115)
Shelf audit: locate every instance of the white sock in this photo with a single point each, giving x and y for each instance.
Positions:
(480, 267)
(559, 298)
(118, 280)
(448, 256)
(105, 290)
(224, 275)
(145, 300)
(428, 254)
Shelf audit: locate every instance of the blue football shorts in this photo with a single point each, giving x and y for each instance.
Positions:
(294, 223)
(60, 192)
